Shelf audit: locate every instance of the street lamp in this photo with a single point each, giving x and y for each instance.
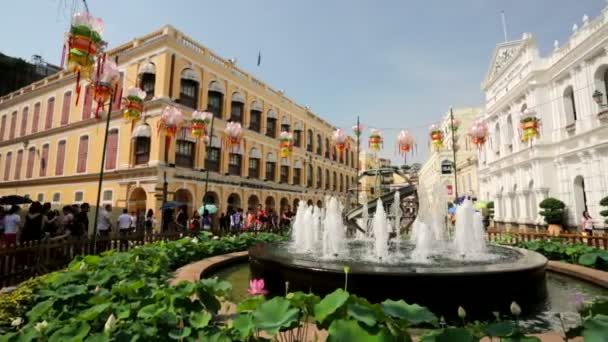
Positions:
(598, 97)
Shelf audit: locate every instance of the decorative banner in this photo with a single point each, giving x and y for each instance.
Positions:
(358, 129)
(436, 137)
(285, 144)
(339, 139)
(234, 135)
(106, 79)
(375, 140)
(405, 143)
(134, 104)
(170, 120)
(83, 44)
(455, 124)
(199, 123)
(479, 133)
(529, 125)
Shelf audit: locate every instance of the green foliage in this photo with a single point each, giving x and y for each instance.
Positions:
(581, 254)
(553, 210)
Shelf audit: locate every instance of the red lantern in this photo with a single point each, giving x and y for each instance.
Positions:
(375, 140)
(340, 140)
(479, 133)
(405, 142)
(170, 120)
(285, 144)
(234, 135)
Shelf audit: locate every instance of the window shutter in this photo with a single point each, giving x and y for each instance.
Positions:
(7, 165)
(11, 133)
(112, 150)
(65, 109)
(36, 118)
(118, 96)
(87, 106)
(2, 127)
(83, 148)
(18, 165)
(44, 160)
(60, 158)
(24, 115)
(30, 162)
(50, 108)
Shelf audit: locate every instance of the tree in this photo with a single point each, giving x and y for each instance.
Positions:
(553, 210)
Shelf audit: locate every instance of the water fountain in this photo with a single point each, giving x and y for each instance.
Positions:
(428, 268)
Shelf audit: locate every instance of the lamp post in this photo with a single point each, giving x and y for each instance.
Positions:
(209, 145)
(453, 133)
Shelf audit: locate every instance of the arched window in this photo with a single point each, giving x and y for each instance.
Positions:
(215, 99)
(18, 164)
(44, 159)
(327, 148)
(341, 183)
(188, 93)
(297, 135)
(297, 172)
(7, 165)
(141, 141)
(65, 109)
(345, 159)
(309, 176)
(11, 132)
(509, 134)
(60, 158)
(254, 163)
(2, 127)
(24, 115)
(569, 106)
(271, 166)
(236, 107)
(83, 151)
(255, 117)
(319, 178)
(285, 125)
(319, 145)
(214, 155)
(31, 154)
(327, 180)
(147, 79)
(50, 109)
(334, 182)
(580, 195)
(284, 178)
(271, 124)
(309, 140)
(496, 140)
(235, 163)
(185, 148)
(112, 149)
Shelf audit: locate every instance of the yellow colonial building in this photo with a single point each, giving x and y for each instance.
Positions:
(51, 144)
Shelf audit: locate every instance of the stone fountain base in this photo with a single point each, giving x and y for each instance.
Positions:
(480, 289)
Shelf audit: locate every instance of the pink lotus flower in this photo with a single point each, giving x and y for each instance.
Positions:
(256, 287)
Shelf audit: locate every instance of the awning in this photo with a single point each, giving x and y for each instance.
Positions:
(271, 157)
(238, 97)
(285, 121)
(147, 68)
(255, 105)
(142, 131)
(271, 114)
(216, 142)
(255, 153)
(297, 164)
(216, 86)
(189, 74)
(284, 162)
(297, 126)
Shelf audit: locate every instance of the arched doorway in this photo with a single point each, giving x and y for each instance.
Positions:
(253, 202)
(270, 204)
(296, 203)
(309, 202)
(580, 196)
(184, 197)
(137, 202)
(284, 205)
(234, 203)
(320, 204)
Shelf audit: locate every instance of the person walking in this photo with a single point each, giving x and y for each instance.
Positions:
(124, 223)
(149, 222)
(195, 223)
(182, 219)
(224, 222)
(236, 220)
(587, 223)
(81, 222)
(34, 223)
(12, 221)
(133, 227)
(206, 221)
(104, 226)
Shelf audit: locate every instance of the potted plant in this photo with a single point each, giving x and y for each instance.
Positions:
(553, 212)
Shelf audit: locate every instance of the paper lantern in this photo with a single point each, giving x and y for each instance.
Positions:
(134, 104)
(375, 140)
(436, 137)
(104, 83)
(170, 120)
(529, 125)
(358, 129)
(340, 141)
(405, 142)
(234, 135)
(199, 123)
(479, 133)
(285, 144)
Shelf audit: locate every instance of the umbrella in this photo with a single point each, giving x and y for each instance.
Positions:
(171, 205)
(211, 208)
(14, 200)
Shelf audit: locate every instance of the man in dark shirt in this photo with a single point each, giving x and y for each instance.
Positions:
(81, 221)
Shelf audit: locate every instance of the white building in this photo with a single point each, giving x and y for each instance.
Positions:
(466, 158)
(568, 160)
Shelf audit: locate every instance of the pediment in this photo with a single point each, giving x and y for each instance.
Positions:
(504, 55)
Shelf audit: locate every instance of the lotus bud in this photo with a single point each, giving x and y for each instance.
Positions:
(83, 266)
(515, 309)
(137, 258)
(97, 289)
(286, 287)
(461, 312)
(17, 322)
(346, 269)
(194, 240)
(110, 324)
(41, 326)
(496, 315)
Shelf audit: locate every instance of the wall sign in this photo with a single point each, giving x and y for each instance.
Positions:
(446, 167)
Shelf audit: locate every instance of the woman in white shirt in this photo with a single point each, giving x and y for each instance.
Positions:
(12, 221)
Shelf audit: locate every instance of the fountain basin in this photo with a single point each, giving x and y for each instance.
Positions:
(479, 287)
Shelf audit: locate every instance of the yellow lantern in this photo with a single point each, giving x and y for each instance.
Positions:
(134, 104)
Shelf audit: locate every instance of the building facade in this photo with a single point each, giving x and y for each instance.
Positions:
(378, 176)
(51, 146)
(567, 160)
(430, 174)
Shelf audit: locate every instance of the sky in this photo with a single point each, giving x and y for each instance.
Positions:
(398, 64)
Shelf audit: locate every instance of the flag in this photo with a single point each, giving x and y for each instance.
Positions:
(259, 57)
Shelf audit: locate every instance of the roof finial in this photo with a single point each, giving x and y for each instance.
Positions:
(556, 44)
(504, 25)
(585, 20)
(574, 28)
